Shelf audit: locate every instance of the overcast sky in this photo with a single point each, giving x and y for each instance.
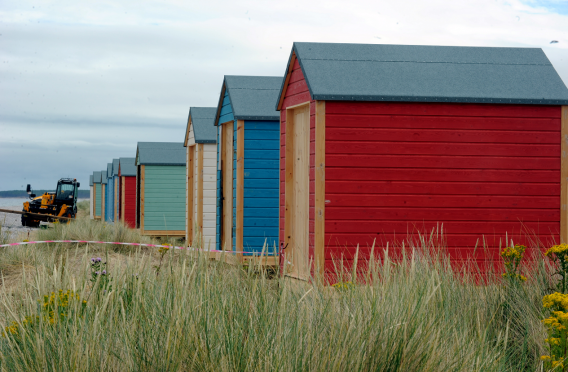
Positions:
(81, 82)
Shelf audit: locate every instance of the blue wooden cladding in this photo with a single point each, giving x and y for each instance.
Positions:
(249, 101)
(109, 194)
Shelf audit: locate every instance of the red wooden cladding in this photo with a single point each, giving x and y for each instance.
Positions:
(437, 148)
(442, 201)
(130, 201)
(484, 171)
(457, 213)
(440, 175)
(442, 161)
(441, 122)
(490, 228)
(445, 188)
(441, 109)
(440, 135)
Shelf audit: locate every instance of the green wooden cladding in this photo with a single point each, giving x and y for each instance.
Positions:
(164, 197)
(98, 200)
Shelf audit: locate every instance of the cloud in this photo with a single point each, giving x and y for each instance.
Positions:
(82, 82)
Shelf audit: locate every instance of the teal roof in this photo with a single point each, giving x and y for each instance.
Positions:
(160, 153)
(128, 166)
(252, 97)
(419, 73)
(203, 121)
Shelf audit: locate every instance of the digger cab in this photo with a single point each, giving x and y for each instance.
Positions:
(66, 192)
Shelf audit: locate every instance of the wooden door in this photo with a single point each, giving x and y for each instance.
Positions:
(297, 189)
(190, 191)
(227, 186)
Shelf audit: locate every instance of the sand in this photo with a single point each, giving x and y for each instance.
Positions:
(13, 223)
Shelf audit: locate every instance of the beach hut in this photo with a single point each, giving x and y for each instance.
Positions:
(378, 141)
(160, 193)
(115, 190)
(201, 172)
(127, 193)
(91, 197)
(104, 181)
(109, 194)
(97, 195)
(247, 157)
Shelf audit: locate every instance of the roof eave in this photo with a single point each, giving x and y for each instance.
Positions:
(205, 141)
(257, 117)
(188, 126)
(334, 97)
(220, 104)
(293, 56)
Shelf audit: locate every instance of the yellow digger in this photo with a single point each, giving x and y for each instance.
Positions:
(61, 203)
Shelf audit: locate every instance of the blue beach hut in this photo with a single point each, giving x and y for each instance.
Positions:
(247, 163)
(109, 194)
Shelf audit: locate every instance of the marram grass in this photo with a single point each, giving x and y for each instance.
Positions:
(193, 314)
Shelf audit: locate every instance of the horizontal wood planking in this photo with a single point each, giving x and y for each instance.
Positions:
(98, 199)
(443, 161)
(450, 227)
(502, 176)
(457, 213)
(441, 201)
(481, 170)
(209, 196)
(440, 122)
(442, 188)
(226, 113)
(130, 201)
(441, 135)
(261, 143)
(437, 148)
(164, 198)
(443, 109)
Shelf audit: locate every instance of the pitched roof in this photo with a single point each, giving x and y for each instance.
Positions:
(114, 167)
(160, 153)
(104, 176)
(109, 170)
(252, 97)
(97, 177)
(128, 166)
(202, 120)
(417, 73)
(91, 180)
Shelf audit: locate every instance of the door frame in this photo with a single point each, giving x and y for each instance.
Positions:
(299, 270)
(226, 163)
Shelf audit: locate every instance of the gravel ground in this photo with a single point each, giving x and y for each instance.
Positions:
(13, 224)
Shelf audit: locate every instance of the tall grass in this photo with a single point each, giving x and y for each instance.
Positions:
(199, 315)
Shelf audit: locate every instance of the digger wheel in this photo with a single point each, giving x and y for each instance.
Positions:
(28, 222)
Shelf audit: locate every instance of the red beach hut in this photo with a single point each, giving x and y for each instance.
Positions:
(127, 194)
(378, 141)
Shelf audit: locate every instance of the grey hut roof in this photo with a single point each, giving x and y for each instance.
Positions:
(160, 153)
(91, 180)
(128, 166)
(252, 97)
(369, 72)
(203, 121)
(97, 177)
(104, 176)
(109, 170)
(114, 167)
